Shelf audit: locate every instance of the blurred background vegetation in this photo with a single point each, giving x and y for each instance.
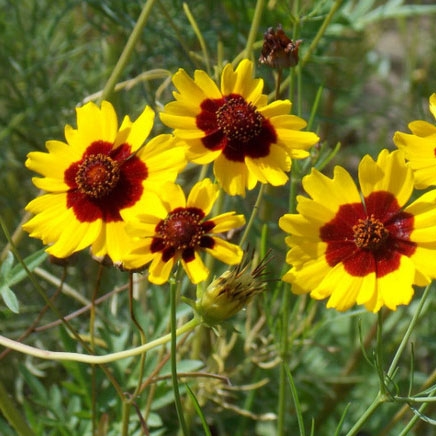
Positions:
(375, 66)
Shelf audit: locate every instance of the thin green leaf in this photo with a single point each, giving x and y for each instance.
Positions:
(199, 411)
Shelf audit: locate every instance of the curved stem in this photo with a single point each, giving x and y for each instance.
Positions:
(128, 49)
(90, 358)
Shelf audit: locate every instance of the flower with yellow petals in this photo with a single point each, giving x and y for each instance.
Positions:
(174, 228)
(419, 148)
(100, 171)
(248, 139)
(362, 247)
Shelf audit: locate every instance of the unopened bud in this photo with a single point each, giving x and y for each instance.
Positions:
(232, 291)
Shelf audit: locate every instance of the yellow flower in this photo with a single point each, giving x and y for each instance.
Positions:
(99, 172)
(419, 148)
(248, 139)
(232, 291)
(362, 247)
(174, 228)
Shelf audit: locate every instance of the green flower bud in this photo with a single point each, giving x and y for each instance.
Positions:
(232, 291)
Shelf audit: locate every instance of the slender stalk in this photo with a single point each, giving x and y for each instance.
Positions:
(379, 399)
(90, 358)
(315, 41)
(284, 345)
(92, 345)
(408, 333)
(127, 402)
(199, 36)
(278, 81)
(141, 334)
(260, 5)
(336, 5)
(128, 50)
(16, 236)
(125, 418)
(253, 215)
(12, 415)
(174, 377)
(382, 396)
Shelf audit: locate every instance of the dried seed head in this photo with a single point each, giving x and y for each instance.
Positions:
(278, 50)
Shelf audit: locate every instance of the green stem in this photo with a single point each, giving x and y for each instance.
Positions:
(174, 377)
(128, 49)
(379, 399)
(127, 401)
(92, 359)
(12, 415)
(284, 345)
(125, 418)
(408, 333)
(253, 215)
(260, 5)
(320, 33)
(315, 41)
(199, 36)
(382, 396)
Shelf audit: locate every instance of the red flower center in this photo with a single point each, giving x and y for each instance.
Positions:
(104, 181)
(370, 233)
(233, 125)
(97, 175)
(369, 238)
(182, 231)
(239, 120)
(182, 228)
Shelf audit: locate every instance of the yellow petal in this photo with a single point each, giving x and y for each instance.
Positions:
(432, 105)
(140, 255)
(203, 195)
(159, 271)
(52, 165)
(342, 287)
(199, 154)
(294, 140)
(305, 279)
(270, 169)
(280, 110)
(97, 124)
(424, 259)
(114, 242)
(332, 193)
(234, 177)
(136, 133)
(195, 269)
(164, 159)
(241, 81)
(50, 185)
(422, 128)
(226, 252)
(189, 87)
(299, 225)
(396, 288)
(389, 173)
(187, 124)
(227, 221)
